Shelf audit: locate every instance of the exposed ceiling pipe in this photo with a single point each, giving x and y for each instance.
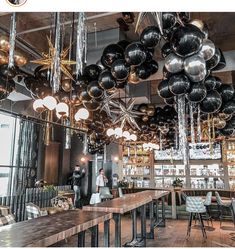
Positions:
(66, 23)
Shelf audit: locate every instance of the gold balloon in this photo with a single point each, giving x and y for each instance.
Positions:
(19, 59)
(133, 78)
(216, 121)
(3, 57)
(198, 23)
(221, 124)
(224, 116)
(150, 111)
(66, 85)
(4, 43)
(145, 118)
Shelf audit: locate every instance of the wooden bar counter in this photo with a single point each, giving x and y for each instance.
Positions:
(129, 202)
(47, 230)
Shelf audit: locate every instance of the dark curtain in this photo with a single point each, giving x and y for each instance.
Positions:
(27, 157)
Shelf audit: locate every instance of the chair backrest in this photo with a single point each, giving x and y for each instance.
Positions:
(183, 196)
(195, 204)
(120, 193)
(218, 199)
(104, 191)
(207, 201)
(7, 219)
(32, 211)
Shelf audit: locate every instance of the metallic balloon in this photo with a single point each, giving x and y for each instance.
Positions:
(169, 101)
(66, 84)
(210, 83)
(187, 40)
(150, 37)
(4, 59)
(201, 25)
(222, 62)
(106, 80)
(111, 53)
(179, 84)
(208, 49)
(133, 78)
(169, 20)
(199, 77)
(120, 70)
(135, 54)
(153, 66)
(19, 59)
(218, 82)
(4, 43)
(145, 118)
(174, 63)
(197, 92)
(163, 89)
(123, 44)
(143, 71)
(92, 105)
(84, 96)
(143, 108)
(227, 131)
(214, 61)
(92, 72)
(6, 72)
(211, 103)
(221, 124)
(194, 65)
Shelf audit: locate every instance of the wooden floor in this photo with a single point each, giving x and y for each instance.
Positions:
(173, 235)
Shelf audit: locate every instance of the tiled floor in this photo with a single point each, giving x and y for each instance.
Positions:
(173, 235)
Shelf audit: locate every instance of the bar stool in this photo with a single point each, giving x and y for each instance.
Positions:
(207, 204)
(195, 206)
(222, 206)
(105, 193)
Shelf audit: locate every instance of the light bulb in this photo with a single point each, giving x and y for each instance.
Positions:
(133, 137)
(76, 116)
(62, 108)
(38, 105)
(145, 145)
(49, 102)
(83, 113)
(110, 132)
(118, 131)
(64, 115)
(126, 134)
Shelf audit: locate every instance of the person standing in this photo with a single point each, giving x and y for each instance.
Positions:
(101, 180)
(77, 180)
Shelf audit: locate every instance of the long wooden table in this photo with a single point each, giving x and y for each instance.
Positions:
(131, 202)
(47, 230)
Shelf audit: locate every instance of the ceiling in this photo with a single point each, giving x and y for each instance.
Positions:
(33, 28)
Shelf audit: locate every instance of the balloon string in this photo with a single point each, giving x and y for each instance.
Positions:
(12, 40)
(105, 153)
(85, 147)
(198, 124)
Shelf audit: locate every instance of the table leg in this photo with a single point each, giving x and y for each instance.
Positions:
(163, 212)
(143, 226)
(160, 222)
(106, 233)
(150, 235)
(94, 236)
(81, 239)
(117, 219)
(134, 229)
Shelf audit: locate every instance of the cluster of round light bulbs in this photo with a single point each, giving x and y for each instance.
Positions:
(118, 133)
(150, 146)
(62, 109)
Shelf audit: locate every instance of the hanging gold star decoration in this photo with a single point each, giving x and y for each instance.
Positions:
(48, 60)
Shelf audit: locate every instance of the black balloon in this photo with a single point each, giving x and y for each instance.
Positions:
(170, 101)
(120, 70)
(163, 89)
(218, 82)
(92, 105)
(229, 107)
(210, 83)
(211, 103)
(135, 54)
(106, 80)
(143, 71)
(82, 80)
(168, 20)
(6, 72)
(213, 62)
(153, 66)
(111, 53)
(94, 90)
(227, 131)
(150, 36)
(166, 49)
(92, 72)
(197, 92)
(84, 96)
(222, 62)
(187, 40)
(149, 56)
(226, 91)
(179, 84)
(123, 44)
(120, 85)
(166, 73)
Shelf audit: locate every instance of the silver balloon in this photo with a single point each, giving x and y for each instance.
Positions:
(199, 77)
(208, 49)
(195, 66)
(174, 63)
